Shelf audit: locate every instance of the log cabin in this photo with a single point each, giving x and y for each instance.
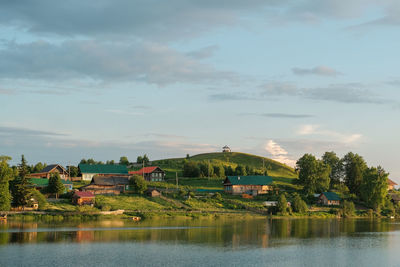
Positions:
(112, 185)
(90, 170)
(83, 198)
(251, 185)
(47, 171)
(329, 199)
(152, 173)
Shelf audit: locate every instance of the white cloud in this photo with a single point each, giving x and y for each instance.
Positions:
(311, 129)
(278, 153)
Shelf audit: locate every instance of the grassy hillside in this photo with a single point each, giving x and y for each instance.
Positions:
(282, 172)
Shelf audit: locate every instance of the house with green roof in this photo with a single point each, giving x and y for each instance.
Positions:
(252, 185)
(329, 199)
(90, 170)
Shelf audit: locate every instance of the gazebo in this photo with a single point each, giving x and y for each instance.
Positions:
(226, 149)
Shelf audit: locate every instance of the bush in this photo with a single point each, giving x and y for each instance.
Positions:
(282, 204)
(40, 198)
(348, 209)
(218, 196)
(299, 205)
(138, 184)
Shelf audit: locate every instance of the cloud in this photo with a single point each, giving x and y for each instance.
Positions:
(104, 61)
(279, 115)
(278, 153)
(352, 93)
(205, 52)
(231, 97)
(310, 129)
(16, 131)
(319, 70)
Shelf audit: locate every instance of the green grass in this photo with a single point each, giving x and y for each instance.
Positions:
(131, 203)
(274, 168)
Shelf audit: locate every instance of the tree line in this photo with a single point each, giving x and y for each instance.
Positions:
(349, 175)
(209, 169)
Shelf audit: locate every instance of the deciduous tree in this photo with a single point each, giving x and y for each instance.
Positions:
(55, 185)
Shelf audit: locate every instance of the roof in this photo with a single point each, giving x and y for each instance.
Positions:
(45, 181)
(395, 197)
(83, 194)
(103, 168)
(391, 182)
(331, 196)
(113, 180)
(145, 170)
(50, 167)
(249, 180)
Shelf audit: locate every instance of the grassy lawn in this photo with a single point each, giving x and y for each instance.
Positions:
(62, 205)
(131, 203)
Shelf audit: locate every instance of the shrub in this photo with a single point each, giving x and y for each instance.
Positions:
(348, 209)
(282, 204)
(299, 205)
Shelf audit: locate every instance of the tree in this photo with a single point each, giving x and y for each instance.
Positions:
(40, 198)
(124, 160)
(219, 171)
(228, 170)
(146, 159)
(38, 167)
(55, 185)
(191, 169)
(354, 166)
(282, 204)
(139, 159)
(313, 174)
(373, 189)
(187, 156)
(299, 205)
(73, 171)
(21, 186)
(336, 165)
(348, 208)
(6, 174)
(240, 170)
(110, 162)
(138, 184)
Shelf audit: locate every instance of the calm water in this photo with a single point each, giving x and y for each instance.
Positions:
(203, 242)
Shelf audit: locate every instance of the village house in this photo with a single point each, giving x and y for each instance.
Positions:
(152, 192)
(395, 198)
(40, 183)
(83, 198)
(152, 174)
(251, 185)
(90, 170)
(49, 170)
(329, 199)
(113, 185)
(391, 185)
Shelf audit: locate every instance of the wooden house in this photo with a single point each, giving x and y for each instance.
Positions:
(90, 170)
(251, 185)
(391, 185)
(41, 183)
(395, 198)
(329, 199)
(49, 170)
(83, 198)
(152, 174)
(152, 192)
(113, 185)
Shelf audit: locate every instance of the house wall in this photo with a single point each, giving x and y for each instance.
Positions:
(240, 189)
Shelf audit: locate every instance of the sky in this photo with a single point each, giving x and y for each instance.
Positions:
(103, 79)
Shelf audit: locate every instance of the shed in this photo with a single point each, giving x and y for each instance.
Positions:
(152, 192)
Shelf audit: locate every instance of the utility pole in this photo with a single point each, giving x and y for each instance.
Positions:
(263, 166)
(176, 179)
(209, 169)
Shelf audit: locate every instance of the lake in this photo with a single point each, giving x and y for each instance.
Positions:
(223, 241)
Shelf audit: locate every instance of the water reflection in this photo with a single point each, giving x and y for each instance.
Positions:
(221, 232)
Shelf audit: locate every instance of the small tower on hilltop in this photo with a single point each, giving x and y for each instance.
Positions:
(226, 149)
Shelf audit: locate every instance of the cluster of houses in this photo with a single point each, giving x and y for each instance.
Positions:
(114, 179)
(104, 179)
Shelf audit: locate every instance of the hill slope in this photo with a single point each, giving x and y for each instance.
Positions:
(233, 159)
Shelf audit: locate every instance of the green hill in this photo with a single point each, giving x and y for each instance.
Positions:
(233, 159)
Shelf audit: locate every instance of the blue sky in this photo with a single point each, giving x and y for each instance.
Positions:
(106, 78)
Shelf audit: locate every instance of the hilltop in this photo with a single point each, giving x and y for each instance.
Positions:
(232, 159)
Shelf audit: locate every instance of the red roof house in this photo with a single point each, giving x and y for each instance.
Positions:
(152, 173)
(391, 184)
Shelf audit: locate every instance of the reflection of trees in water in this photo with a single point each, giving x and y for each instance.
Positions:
(220, 232)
